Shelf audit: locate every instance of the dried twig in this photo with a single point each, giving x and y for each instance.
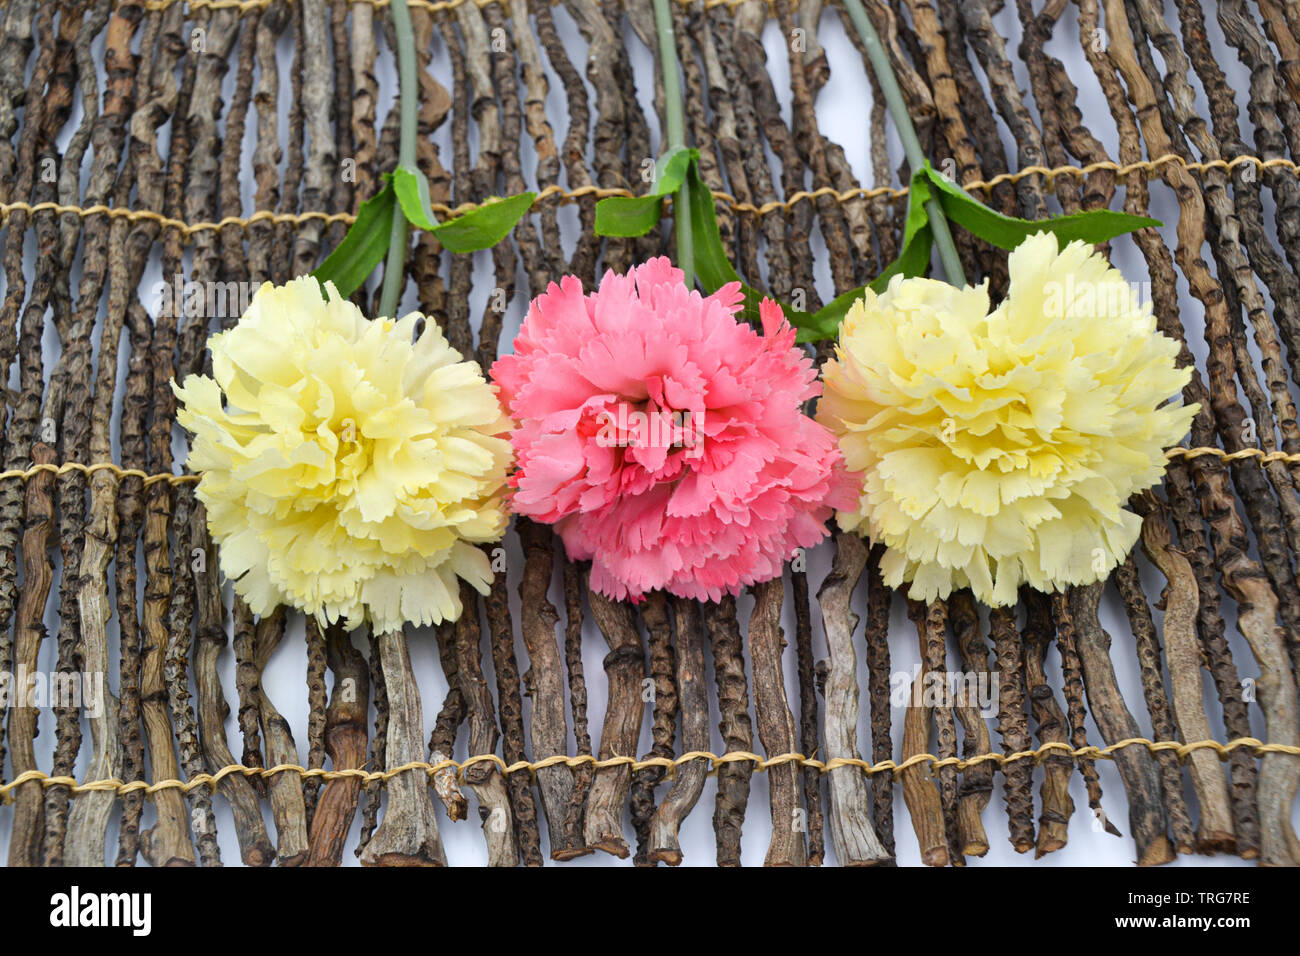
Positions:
(809, 736)
(345, 738)
(689, 782)
(788, 846)
(851, 832)
(1183, 705)
(977, 782)
(663, 730)
(734, 725)
(1057, 807)
(287, 805)
(919, 793)
(625, 668)
(575, 577)
(88, 824)
(483, 778)
(408, 835)
(544, 682)
(1147, 817)
(1013, 726)
(442, 741)
(878, 693)
(250, 830)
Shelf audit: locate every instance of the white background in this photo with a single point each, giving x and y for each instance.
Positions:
(842, 110)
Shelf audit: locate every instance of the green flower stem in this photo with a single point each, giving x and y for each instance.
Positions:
(676, 134)
(907, 133)
(408, 92)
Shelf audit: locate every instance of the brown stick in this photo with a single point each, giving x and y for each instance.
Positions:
(663, 729)
(919, 793)
(809, 737)
(776, 730)
(17, 172)
(977, 781)
(573, 151)
(87, 826)
(1072, 678)
(408, 835)
(1147, 818)
(878, 693)
(262, 236)
(246, 678)
(624, 668)
(317, 714)
(544, 682)
(130, 510)
(345, 739)
(519, 786)
(1214, 832)
(38, 574)
(574, 587)
(1013, 726)
(689, 783)
(287, 807)
(254, 843)
(854, 840)
(1057, 807)
(945, 731)
(988, 45)
(1153, 690)
(68, 406)
(734, 725)
(168, 843)
(442, 741)
(180, 624)
(484, 778)
(29, 631)
(318, 102)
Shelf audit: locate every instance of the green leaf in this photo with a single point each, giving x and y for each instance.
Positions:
(1007, 232)
(480, 228)
(714, 270)
(627, 215)
(364, 245)
(671, 169)
(637, 215)
(914, 258)
(825, 322)
(484, 226)
(712, 266)
(412, 188)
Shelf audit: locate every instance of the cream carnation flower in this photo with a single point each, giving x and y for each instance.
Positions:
(1000, 448)
(348, 468)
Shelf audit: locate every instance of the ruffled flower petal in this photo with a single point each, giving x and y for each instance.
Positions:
(347, 467)
(999, 448)
(664, 439)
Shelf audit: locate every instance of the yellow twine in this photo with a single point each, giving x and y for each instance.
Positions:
(148, 479)
(568, 196)
(931, 762)
(432, 6)
(118, 470)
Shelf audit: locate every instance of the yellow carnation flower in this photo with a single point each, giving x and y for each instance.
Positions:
(347, 467)
(1000, 448)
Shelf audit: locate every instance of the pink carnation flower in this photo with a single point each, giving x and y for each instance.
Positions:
(664, 439)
